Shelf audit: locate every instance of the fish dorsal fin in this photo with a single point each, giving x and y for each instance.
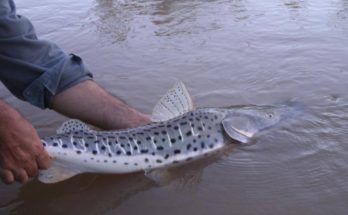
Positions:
(175, 102)
(56, 173)
(73, 125)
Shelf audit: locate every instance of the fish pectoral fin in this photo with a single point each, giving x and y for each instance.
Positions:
(242, 127)
(56, 173)
(73, 125)
(159, 176)
(175, 102)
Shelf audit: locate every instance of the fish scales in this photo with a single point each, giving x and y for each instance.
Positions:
(178, 134)
(159, 144)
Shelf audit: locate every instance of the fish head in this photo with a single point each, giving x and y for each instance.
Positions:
(243, 123)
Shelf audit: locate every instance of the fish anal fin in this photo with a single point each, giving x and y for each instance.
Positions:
(56, 173)
(175, 102)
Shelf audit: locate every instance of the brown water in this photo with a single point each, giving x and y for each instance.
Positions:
(228, 52)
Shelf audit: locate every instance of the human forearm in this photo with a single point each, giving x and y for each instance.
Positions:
(90, 103)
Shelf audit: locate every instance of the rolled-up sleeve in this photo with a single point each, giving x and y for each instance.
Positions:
(34, 70)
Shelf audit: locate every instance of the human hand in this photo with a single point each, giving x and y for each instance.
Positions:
(21, 151)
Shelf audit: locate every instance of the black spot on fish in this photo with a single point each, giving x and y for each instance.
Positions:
(194, 140)
(180, 137)
(55, 144)
(167, 156)
(129, 153)
(110, 155)
(94, 152)
(122, 145)
(130, 139)
(209, 127)
(183, 123)
(86, 145)
(103, 148)
(44, 144)
(153, 153)
(199, 136)
(206, 117)
(125, 163)
(176, 127)
(189, 133)
(156, 133)
(78, 152)
(159, 161)
(114, 161)
(172, 140)
(148, 138)
(208, 135)
(169, 126)
(195, 149)
(154, 141)
(122, 137)
(135, 164)
(144, 151)
(198, 119)
(90, 137)
(135, 147)
(216, 140)
(164, 132)
(160, 148)
(146, 160)
(177, 151)
(96, 141)
(215, 117)
(191, 114)
(139, 142)
(188, 147)
(211, 146)
(65, 146)
(118, 152)
(202, 145)
(163, 139)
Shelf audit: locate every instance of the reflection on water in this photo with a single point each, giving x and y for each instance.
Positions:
(228, 52)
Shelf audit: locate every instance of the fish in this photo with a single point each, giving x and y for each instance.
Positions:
(178, 134)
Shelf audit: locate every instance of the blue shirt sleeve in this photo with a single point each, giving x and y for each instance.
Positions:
(34, 70)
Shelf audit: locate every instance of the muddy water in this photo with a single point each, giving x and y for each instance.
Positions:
(228, 52)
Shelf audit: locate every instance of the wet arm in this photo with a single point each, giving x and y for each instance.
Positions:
(89, 102)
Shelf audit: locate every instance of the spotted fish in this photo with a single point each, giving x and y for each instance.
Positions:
(178, 134)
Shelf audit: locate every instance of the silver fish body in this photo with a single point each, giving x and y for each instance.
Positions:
(178, 134)
(151, 146)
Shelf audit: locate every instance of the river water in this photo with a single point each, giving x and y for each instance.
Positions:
(228, 52)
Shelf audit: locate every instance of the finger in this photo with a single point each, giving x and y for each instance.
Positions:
(43, 160)
(21, 176)
(31, 169)
(6, 176)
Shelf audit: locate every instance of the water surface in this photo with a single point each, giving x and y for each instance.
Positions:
(228, 52)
